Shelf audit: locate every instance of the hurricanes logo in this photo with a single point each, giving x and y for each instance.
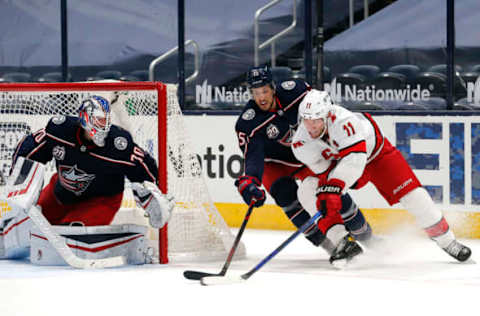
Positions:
(74, 179)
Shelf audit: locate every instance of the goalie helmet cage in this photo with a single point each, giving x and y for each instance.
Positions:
(151, 113)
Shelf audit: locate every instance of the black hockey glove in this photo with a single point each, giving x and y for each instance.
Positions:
(248, 187)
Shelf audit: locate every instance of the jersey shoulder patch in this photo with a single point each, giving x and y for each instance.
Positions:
(288, 91)
(119, 140)
(63, 127)
(250, 118)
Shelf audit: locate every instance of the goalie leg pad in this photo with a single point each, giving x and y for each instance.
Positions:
(15, 237)
(93, 242)
(25, 182)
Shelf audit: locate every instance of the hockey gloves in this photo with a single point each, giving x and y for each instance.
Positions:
(331, 193)
(329, 202)
(158, 206)
(249, 188)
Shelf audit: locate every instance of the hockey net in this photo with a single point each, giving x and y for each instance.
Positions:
(196, 231)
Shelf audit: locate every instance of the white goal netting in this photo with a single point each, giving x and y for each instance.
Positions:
(196, 230)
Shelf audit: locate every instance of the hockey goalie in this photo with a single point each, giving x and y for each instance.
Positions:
(24, 230)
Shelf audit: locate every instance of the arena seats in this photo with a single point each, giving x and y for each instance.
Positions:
(109, 74)
(408, 70)
(141, 74)
(390, 80)
(16, 77)
(281, 73)
(54, 76)
(351, 79)
(368, 71)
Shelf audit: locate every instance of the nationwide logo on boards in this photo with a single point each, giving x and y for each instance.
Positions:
(206, 94)
(473, 92)
(370, 93)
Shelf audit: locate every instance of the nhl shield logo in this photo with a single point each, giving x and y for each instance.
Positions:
(120, 143)
(288, 85)
(272, 131)
(59, 119)
(248, 115)
(58, 152)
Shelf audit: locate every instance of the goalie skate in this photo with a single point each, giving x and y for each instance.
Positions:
(458, 251)
(346, 250)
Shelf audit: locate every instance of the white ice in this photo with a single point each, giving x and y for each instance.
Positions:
(410, 276)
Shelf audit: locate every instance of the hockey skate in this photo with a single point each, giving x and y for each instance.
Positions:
(458, 251)
(346, 250)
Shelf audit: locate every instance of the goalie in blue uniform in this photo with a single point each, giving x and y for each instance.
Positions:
(92, 157)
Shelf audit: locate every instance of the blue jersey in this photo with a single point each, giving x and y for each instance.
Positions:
(85, 170)
(266, 136)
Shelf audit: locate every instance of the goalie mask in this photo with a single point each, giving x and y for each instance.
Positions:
(95, 118)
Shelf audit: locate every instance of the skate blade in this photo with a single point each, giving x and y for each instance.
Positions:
(340, 264)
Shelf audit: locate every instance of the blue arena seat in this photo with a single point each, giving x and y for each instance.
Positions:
(408, 70)
(54, 76)
(435, 82)
(351, 79)
(369, 71)
(16, 77)
(128, 78)
(442, 68)
(470, 76)
(281, 73)
(109, 74)
(141, 74)
(389, 80)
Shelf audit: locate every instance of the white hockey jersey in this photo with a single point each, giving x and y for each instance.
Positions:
(352, 141)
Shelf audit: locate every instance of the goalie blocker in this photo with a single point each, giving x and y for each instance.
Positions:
(19, 237)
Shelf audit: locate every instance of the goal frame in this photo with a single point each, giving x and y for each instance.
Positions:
(119, 86)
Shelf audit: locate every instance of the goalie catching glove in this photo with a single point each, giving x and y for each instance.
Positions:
(158, 206)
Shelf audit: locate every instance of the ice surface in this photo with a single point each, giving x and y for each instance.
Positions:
(409, 274)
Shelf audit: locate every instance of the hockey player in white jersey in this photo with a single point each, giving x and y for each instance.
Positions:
(347, 150)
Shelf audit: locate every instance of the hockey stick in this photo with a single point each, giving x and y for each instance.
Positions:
(198, 275)
(64, 251)
(215, 280)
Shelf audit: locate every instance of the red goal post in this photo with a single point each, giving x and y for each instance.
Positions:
(150, 111)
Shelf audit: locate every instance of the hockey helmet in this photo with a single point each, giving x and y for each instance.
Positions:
(95, 118)
(259, 77)
(315, 105)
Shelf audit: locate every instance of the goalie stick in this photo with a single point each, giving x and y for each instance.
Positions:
(64, 251)
(216, 280)
(198, 275)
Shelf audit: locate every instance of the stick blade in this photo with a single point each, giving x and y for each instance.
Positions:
(221, 280)
(198, 275)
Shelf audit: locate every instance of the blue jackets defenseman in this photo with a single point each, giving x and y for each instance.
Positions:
(265, 129)
(92, 159)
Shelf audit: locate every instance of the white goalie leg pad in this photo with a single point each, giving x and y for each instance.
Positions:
(93, 242)
(22, 191)
(419, 203)
(306, 194)
(14, 231)
(25, 182)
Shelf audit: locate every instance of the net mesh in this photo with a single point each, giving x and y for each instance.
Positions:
(196, 230)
